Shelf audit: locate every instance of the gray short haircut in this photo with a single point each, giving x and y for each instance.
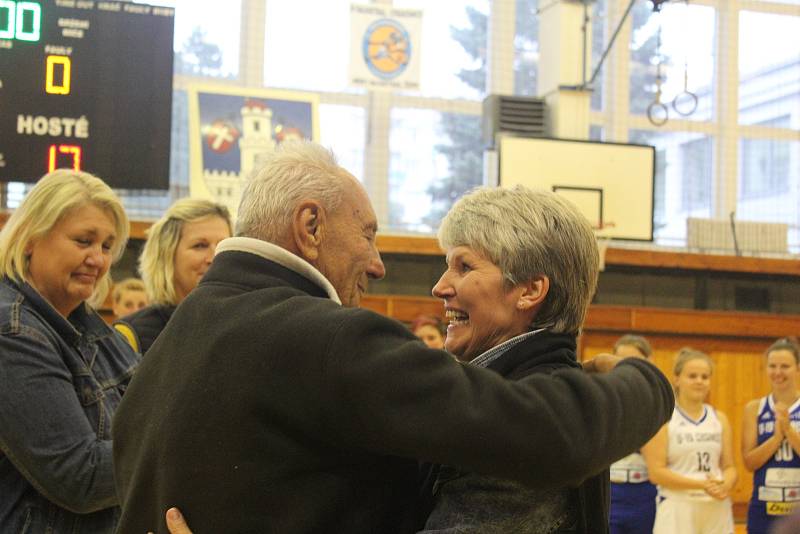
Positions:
(157, 260)
(297, 170)
(526, 233)
(55, 196)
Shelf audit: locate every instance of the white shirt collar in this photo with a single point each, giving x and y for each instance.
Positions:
(282, 257)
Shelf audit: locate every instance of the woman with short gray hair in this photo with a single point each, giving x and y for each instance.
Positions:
(522, 267)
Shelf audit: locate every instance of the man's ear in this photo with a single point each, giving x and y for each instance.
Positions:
(308, 228)
(534, 292)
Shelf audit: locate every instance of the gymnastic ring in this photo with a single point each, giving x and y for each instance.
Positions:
(692, 99)
(654, 107)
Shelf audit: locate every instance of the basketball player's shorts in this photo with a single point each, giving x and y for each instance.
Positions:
(761, 514)
(698, 517)
(633, 508)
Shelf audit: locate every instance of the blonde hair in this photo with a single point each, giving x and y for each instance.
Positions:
(528, 232)
(55, 196)
(687, 354)
(157, 261)
(129, 284)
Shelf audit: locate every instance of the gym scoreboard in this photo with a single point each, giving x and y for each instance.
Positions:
(86, 85)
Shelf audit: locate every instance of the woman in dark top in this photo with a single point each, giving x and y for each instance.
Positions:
(178, 251)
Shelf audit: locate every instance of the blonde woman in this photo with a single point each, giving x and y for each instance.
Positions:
(771, 441)
(62, 369)
(691, 457)
(178, 252)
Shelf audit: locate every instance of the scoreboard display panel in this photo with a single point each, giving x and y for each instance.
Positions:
(86, 85)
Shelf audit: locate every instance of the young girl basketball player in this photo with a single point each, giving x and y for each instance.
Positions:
(771, 442)
(691, 457)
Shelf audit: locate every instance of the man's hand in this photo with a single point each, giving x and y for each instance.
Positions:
(176, 523)
(602, 363)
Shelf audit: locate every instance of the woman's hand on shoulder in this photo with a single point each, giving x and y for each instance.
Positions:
(602, 363)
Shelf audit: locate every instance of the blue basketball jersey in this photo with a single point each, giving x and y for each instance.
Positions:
(776, 484)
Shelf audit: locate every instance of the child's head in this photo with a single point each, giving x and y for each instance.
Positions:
(128, 296)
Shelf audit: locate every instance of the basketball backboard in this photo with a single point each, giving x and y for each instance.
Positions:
(611, 183)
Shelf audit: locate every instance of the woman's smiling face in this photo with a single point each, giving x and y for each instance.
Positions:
(482, 310)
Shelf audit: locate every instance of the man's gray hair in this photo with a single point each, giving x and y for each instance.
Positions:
(295, 171)
(527, 233)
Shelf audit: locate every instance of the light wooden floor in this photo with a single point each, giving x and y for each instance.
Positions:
(741, 528)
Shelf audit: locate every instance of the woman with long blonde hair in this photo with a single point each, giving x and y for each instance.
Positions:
(178, 252)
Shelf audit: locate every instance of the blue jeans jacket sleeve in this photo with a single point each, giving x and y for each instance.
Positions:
(67, 462)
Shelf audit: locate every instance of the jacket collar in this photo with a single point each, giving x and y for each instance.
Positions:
(282, 257)
(541, 352)
(82, 321)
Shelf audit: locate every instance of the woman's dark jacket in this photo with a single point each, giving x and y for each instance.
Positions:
(466, 502)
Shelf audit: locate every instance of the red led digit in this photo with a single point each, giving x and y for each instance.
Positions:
(73, 150)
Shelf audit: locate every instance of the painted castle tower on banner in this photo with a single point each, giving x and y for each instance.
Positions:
(255, 141)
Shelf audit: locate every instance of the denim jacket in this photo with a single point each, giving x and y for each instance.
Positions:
(60, 382)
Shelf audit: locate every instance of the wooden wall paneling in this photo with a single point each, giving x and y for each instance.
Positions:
(403, 308)
(376, 304)
(408, 308)
(625, 319)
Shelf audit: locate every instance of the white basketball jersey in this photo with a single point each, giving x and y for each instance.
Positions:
(693, 450)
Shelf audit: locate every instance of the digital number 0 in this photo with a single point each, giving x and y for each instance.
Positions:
(8, 19)
(63, 88)
(29, 21)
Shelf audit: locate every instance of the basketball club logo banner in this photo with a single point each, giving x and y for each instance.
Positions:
(233, 129)
(385, 47)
